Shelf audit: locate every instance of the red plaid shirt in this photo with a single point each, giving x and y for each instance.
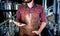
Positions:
(36, 10)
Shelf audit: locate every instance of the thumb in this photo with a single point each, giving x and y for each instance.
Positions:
(33, 31)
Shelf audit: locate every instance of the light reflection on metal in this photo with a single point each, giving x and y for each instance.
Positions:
(59, 18)
(8, 6)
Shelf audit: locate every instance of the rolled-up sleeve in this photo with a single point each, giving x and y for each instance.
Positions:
(18, 15)
(42, 16)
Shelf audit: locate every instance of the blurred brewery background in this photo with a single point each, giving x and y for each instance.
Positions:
(8, 10)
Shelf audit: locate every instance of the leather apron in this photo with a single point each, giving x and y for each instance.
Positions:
(31, 24)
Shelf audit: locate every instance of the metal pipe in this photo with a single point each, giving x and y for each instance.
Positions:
(56, 16)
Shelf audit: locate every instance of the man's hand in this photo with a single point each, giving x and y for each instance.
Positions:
(18, 24)
(36, 32)
(22, 25)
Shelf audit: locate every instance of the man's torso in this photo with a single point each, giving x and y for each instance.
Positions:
(31, 16)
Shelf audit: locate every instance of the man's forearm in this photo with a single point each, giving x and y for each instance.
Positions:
(42, 26)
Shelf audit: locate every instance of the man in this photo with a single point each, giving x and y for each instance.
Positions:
(28, 19)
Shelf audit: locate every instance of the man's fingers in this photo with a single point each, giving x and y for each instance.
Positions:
(33, 31)
(22, 25)
(18, 24)
(36, 32)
